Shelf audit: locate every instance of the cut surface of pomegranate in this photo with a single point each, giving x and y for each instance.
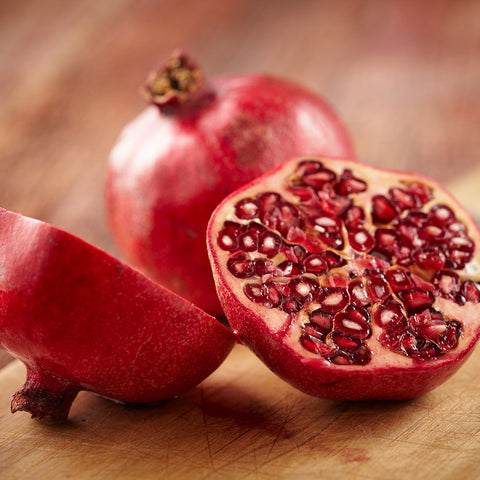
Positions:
(81, 320)
(198, 141)
(381, 297)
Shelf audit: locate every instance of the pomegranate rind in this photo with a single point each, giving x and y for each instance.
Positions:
(80, 319)
(169, 170)
(273, 335)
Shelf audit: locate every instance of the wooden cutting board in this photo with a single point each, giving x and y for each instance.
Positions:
(244, 422)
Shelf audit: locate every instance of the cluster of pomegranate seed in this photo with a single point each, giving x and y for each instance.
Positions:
(357, 264)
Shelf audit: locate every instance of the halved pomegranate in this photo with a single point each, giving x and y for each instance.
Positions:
(357, 283)
(81, 320)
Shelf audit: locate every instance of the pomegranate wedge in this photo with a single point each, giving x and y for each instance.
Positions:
(81, 320)
(348, 281)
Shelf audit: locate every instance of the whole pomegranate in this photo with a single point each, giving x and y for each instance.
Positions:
(198, 141)
(349, 281)
(81, 320)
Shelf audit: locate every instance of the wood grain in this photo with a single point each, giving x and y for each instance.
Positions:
(404, 76)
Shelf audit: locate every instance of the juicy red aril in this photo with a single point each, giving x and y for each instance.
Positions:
(289, 268)
(401, 199)
(361, 240)
(430, 259)
(309, 166)
(353, 217)
(418, 347)
(264, 267)
(358, 293)
(353, 321)
(255, 292)
(241, 266)
(272, 295)
(325, 223)
(399, 279)
(441, 215)
(247, 209)
(416, 299)
(315, 263)
(389, 314)
(377, 286)
(323, 321)
(292, 304)
(227, 237)
(345, 341)
(383, 210)
(332, 259)
(457, 259)
(471, 291)
(332, 299)
(449, 339)
(420, 192)
(358, 356)
(313, 341)
(348, 184)
(319, 178)
(386, 240)
(304, 287)
(447, 283)
(295, 253)
(269, 244)
(248, 241)
(332, 240)
(417, 218)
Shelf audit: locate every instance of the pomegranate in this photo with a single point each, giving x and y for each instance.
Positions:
(81, 320)
(198, 141)
(350, 282)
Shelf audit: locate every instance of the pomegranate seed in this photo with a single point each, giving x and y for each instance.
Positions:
(348, 184)
(417, 218)
(471, 291)
(358, 293)
(289, 268)
(332, 240)
(441, 215)
(248, 241)
(420, 192)
(430, 233)
(457, 259)
(308, 166)
(319, 178)
(428, 327)
(269, 244)
(361, 240)
(419, 348)
(247, 209)
(450, 337)
(255, 292)
(332, 204)
(456, 227)
(359, 356)
(324, 224)
(401, 199)
(332, 299)
(386, 240)
(305, 194)
(377, 286)
(305, 287)
(292, 304)
(399, 279)
(315, 263)
(241, 266)
(447, 283)
(389, 315)
(323, 321)
(382, 210)
(227, 237)
(332, 259)
(264, 267)
(314, 344)
(345, 341)
(429, 259)
(416, 299)
(353, 217)
(392, 337)
(461, 242)
(353, 321)
(272, 295)
(295, 253)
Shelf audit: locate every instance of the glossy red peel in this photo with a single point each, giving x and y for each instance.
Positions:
(199, 140)
(81, 320)
(363, 283)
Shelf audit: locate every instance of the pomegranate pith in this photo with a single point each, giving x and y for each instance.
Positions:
(81, 320)
(198, 141)
(382, 297)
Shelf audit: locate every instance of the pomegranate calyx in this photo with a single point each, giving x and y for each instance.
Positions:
(178, 82)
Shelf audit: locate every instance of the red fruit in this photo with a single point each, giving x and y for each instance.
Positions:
(388, 319)
(198, 141)
(81, 320)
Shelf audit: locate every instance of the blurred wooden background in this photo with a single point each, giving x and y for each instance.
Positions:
(403, 74)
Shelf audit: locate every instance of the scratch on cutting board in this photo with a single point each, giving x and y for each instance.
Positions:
(205, 425)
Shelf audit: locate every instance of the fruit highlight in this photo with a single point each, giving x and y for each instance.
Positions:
(350, 282)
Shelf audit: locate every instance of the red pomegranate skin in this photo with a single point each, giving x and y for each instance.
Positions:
(81, 320)
(271, 336)
(179, 158)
